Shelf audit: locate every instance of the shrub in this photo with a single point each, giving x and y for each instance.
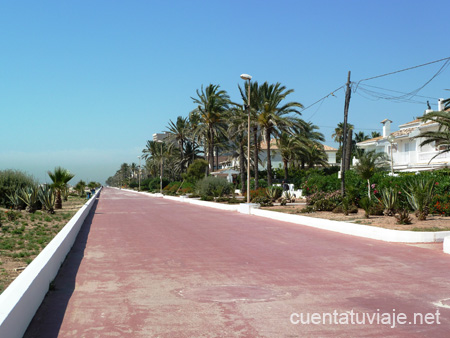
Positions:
(403, 217)
(213, 186)
(324, 201)
(264, 201)
(155, 183)
(11, 181)
(196, 171)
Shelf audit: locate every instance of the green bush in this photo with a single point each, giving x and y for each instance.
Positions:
(196, 171)
(11, 181)
(155, 183)
(213, 186)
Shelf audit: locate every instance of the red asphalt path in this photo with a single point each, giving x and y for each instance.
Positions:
(151, 267)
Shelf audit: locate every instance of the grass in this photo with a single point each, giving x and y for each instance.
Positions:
(24, 235)
(432, 229)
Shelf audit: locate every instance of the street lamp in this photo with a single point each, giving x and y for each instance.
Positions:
(391, 140)
(160, 176)
(139, 173)
(248, 78)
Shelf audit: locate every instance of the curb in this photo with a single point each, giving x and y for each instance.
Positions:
(22, 298)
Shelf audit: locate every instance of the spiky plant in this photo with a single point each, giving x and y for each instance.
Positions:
(47, 197)
(274, 193)
(389, 199)
(419, 193)
(14, 199)
(29, 196)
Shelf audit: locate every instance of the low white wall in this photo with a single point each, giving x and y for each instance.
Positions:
(360, 230)
(20, 301)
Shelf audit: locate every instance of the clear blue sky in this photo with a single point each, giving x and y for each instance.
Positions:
(85, 84)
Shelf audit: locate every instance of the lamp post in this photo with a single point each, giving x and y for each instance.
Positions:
(160, 176)
(391, 139)
(248, 78)
(139, 173)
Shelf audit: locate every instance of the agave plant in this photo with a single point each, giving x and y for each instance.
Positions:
(16, 202)
(274, 192)
(389, 199)
(419, 193)
(29, 196)
(47, 197)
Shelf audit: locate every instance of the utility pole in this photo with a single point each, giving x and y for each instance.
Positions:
(344, 142)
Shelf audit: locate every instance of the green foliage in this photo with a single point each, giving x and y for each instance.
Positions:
(196, 171)
(29, 196)
(213, 186)
(264, 201)
(366, 204)
(319, 183)
(274, 192)
(403, 217)
(79, 188)
(419, 192)
(155, 183)
(10, 182)
(47, 197)
(324, 201)
(389, 198)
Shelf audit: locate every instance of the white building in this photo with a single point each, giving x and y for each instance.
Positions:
(277, 161)
(407, 154)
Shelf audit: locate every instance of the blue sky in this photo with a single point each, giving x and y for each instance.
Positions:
(85, 84)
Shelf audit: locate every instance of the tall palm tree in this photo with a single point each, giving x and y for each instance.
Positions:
(338, 134)
(60, 177)
(370, 162)
(213, 104)
(237, 133)
(289, 147)
(178, 134)
(274, 116)
(440, 137)
(255, 109)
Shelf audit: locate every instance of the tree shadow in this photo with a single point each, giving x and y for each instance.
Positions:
(49, 317)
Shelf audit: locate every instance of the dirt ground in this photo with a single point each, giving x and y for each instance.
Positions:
(432, 223)
(14, 261)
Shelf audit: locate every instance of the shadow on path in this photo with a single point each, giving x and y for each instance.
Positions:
(48, 319)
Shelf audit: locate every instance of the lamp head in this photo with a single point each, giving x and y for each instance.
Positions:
(246, 77)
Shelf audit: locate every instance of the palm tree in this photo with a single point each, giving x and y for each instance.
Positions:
(211, 110)
(375, 134)
(370, 162)
(255, 109)
(60, 177)
(237, 133)
(440, 137)
(289, 147)
(178, 134)
(274, 116)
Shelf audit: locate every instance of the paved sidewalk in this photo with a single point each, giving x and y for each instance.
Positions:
(151, 267)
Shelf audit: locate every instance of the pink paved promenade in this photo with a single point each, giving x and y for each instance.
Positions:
(150, 267)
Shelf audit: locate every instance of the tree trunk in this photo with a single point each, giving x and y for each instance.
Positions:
(368, 188)
(211, 150)
(242, 168)
(348, 150)
(285, 169)
(58, 200)
(256, 156)
(269, 161)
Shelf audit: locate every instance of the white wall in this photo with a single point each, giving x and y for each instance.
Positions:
(20, 301)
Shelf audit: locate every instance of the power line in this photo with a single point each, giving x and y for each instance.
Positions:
(403, 70)
(323, 98)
